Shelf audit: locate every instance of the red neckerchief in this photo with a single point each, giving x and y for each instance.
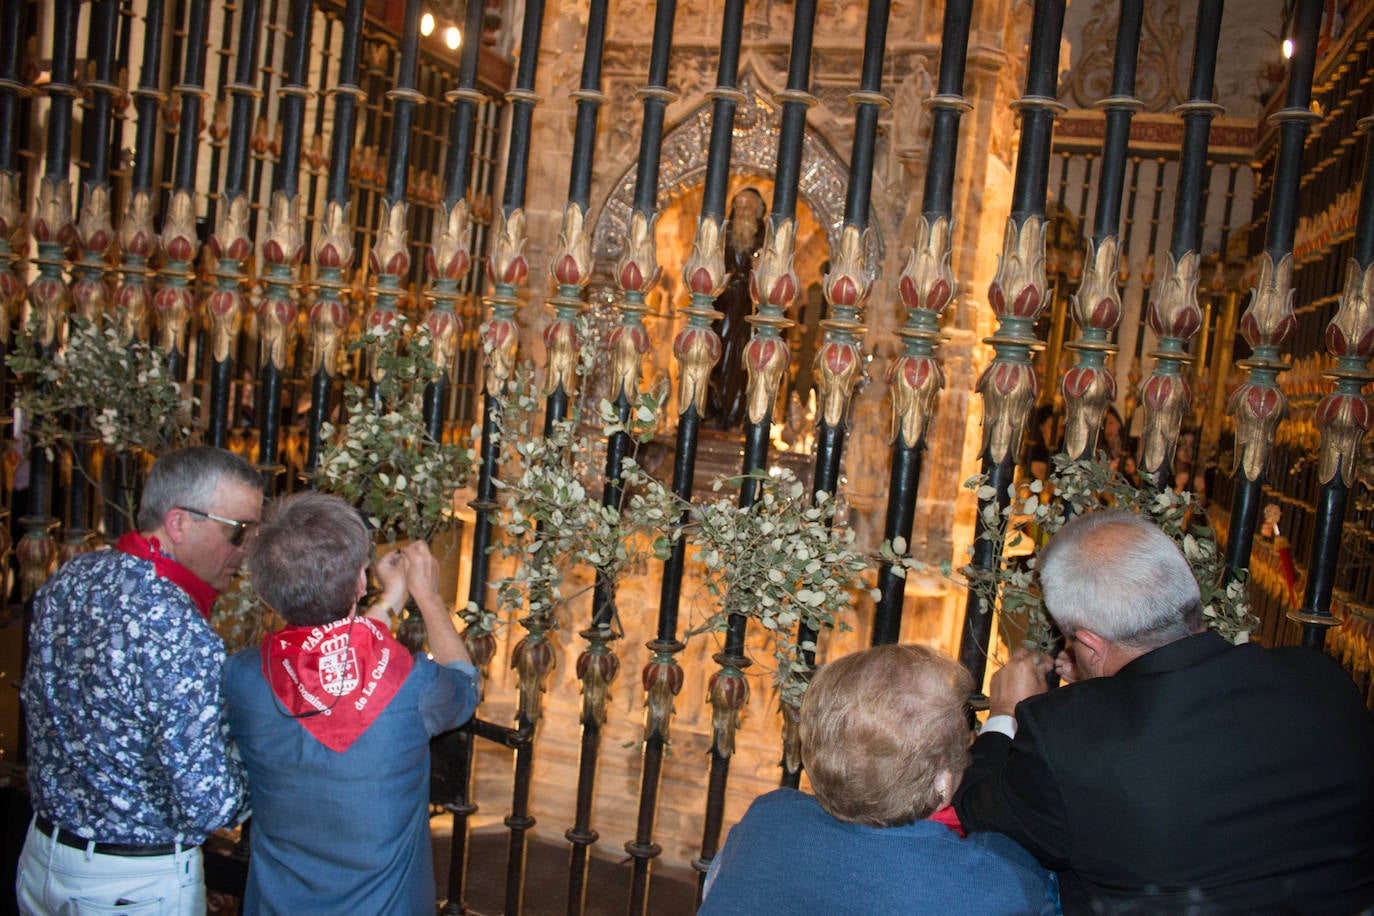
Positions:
(199, 591)
(949, 818)
(336, 678)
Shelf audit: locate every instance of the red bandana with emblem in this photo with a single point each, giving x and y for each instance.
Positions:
(335, 678)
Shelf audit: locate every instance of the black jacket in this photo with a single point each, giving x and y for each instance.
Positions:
(1202, 777)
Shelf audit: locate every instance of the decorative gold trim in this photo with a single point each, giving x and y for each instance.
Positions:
(390, 255)
(560, 347)
(500, 341)
(662, 680)
(1097, 303)
(837, 369)
(328, 318)
(628, 344)
(276, 330)
(173, 306)
(1018, 289)
(847, 285)
(533, 660)
(95, 230)
(52, 216)
(927, 280)
(638, 270)
(284, 243)
(1166, 399)
(1174, 310)
(506, 264)
(1009, 390)
(136, 236)
(697, 350)
(448, 256)
(1351, 332)
(1257, 410)
(231, 240)
(704, 273)
(765, 359)
(913, 384)
(334, 242)
(597, 669)
(571, 263)
(9, 205)
(1269, 321)
(728, 692)
(1087, 392)
(179, 228)
(1343, 419)
(774, 282)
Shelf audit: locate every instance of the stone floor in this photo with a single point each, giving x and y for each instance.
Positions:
(672, 889)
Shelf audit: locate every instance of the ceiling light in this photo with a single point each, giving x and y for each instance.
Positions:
(452, 37)
(427, 24)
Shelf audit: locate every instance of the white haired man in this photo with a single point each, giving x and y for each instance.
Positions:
(1181, 774)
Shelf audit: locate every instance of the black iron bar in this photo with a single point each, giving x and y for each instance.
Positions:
(1268, 322)
(1018, 295)
(839, 361)
(1343, 415)
(1089, 386)
(571, 268)
(49, 295)
(133, 295)
(283, 248)
(333, 249)
(11, 90)
(636, 273)
(929, 286)
(697, 349)
(94, 234)
(450, 254)
(774, 285)
(231, 242)
(1174, 314)
(174, 302)
(500, 334)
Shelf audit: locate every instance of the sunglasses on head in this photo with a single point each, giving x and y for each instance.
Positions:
(239, 532)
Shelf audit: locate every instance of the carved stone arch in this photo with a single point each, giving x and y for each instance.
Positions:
(823, 182)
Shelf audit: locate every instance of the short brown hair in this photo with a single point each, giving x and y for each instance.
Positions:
(304, 561)
(878, 726)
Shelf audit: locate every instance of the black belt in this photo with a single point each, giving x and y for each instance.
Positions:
(67, 838)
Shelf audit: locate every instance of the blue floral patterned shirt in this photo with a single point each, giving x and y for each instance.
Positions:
(128, 740)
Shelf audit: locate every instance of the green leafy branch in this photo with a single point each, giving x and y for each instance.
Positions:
(782, 563)
(1074, 488)
(383, 459)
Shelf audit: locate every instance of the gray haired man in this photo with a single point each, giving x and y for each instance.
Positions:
(1181, 773)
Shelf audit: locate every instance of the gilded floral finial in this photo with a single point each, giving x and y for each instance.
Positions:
(571, 264)
(704, 273)
(448, 257)
(927, 280)
(637, 271)
(507, 264)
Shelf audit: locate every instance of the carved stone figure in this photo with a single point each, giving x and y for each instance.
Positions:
(726, 401)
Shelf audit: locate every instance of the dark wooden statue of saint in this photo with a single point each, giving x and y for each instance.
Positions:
(729, 380)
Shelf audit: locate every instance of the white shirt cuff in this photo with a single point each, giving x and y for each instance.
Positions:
(1002, 725)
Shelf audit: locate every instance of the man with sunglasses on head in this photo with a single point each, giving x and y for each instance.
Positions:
(333, 717)
(130, 765)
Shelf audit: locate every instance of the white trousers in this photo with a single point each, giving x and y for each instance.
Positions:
(57, 880)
